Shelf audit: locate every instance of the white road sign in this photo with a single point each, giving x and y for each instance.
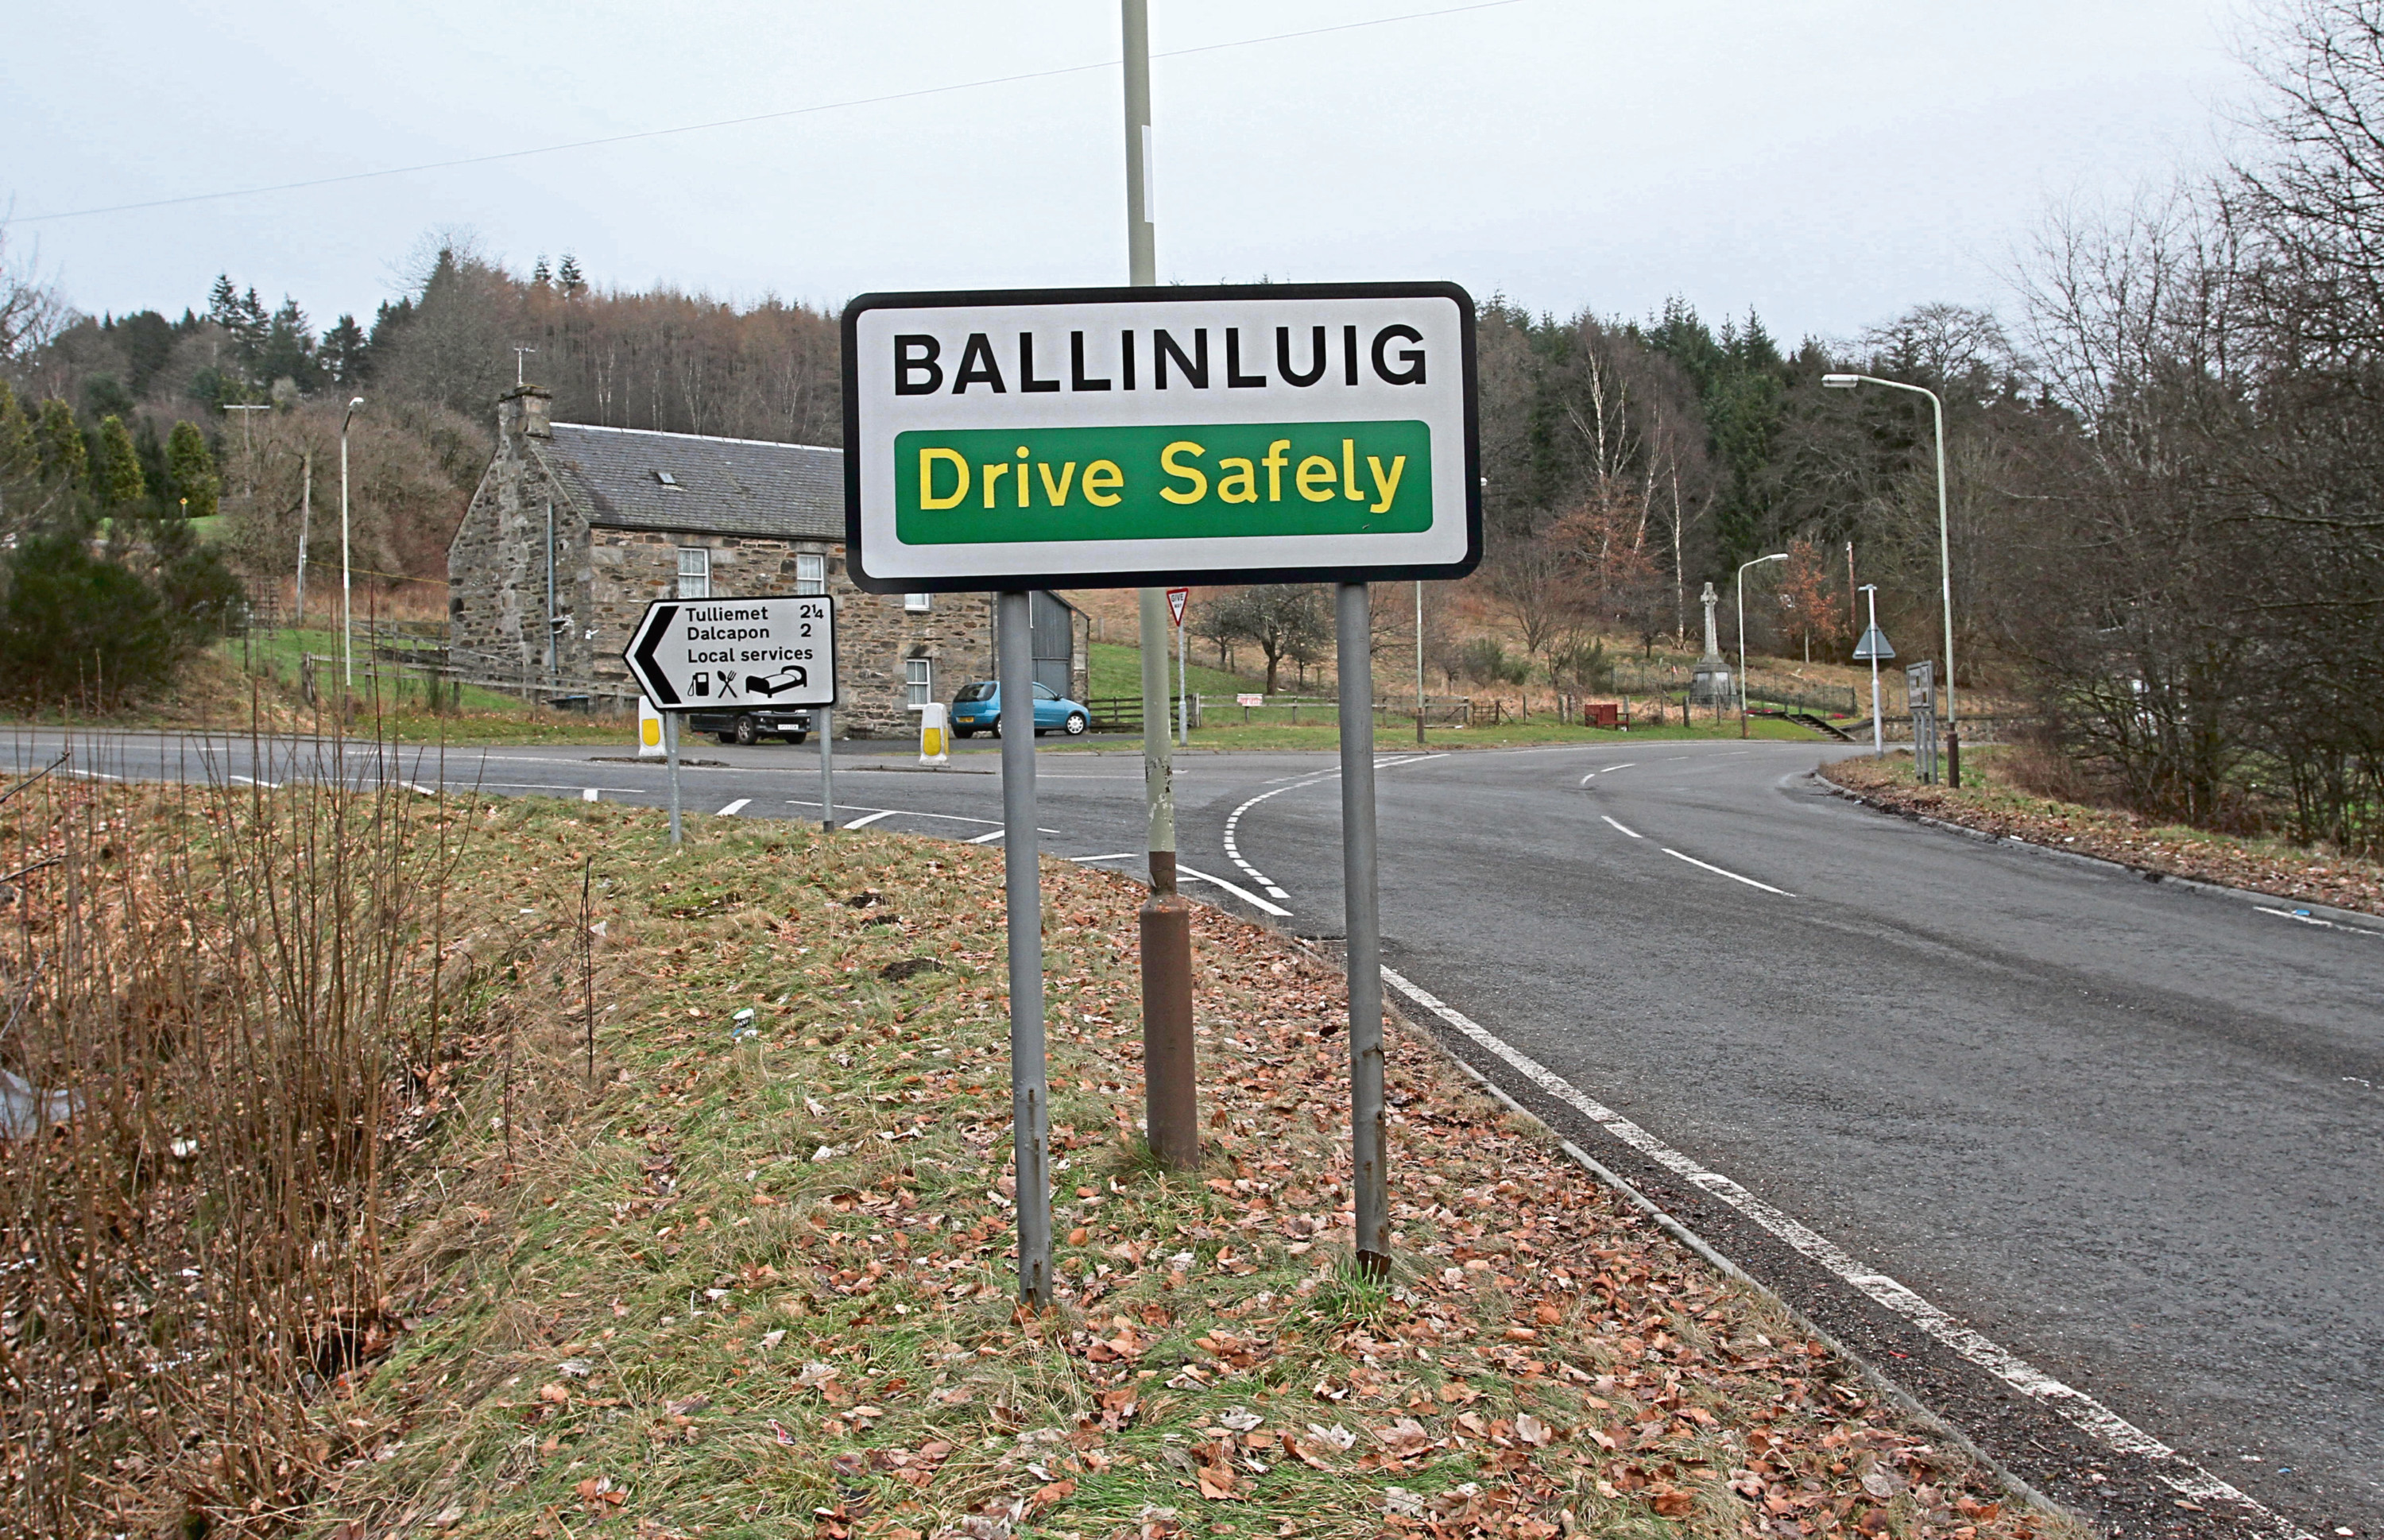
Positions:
(1130, 437)
(1177, 599)
(710, 655)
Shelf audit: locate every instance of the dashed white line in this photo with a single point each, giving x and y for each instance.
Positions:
(1606, 770)
(1242, 893)
(733, 809)
(2313, 920)
(1633, 833)
(2074, 1405)
(868, 818)
(1721, 871)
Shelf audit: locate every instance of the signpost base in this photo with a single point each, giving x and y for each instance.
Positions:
(1369, 1130)
(1030, 1109)
(1170, 1075)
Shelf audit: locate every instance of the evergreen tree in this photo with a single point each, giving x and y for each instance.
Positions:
(116, 469)
(19, 457)
(567, 277)
(539, 275)
(223, 304)
(286, 350)
(345, 350)
(58, 441)
(190, 470)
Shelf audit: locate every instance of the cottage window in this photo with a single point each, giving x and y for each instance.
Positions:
(918, 604)
(694, 572)
(918, 677)
(811, 573)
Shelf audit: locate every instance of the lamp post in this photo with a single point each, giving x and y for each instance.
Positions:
(1944, 555)
(1878, 741)
(347, 624)
(1741, 586)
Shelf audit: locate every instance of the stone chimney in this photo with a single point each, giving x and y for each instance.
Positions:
(527, 411)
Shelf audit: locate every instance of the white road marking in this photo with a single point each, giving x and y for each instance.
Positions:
(590, 794)
(1719, 871)
(868, 818)
(251, 780)
(733, 809)
(89, 776)
(1242, 893)
(2313, 920)
(1114, 855)
(987, 839)
(418, 789)
(910, 812)
(2072, 1405)
(1606, 770)
(1234, 819)
(1633, 833)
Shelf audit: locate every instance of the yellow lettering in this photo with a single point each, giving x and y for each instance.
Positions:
(1189, 473)
(1274, 462)
(993, 473)
(1024, 484)
(1241, 485)
(1101, 481)
(1387, 486)
(1057, 495)
(1315, 478)
(929, 460)
(1349, 471)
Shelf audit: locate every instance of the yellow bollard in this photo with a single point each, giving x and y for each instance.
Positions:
(649, 730)
(935, 734)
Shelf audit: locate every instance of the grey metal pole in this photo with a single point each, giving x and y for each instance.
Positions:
(305, 524)
(1183, 689)
(1878, 738)
(347, 621)
(1023, 892)
(1945, 579)
(1141, 231)
(1368, 1131)
(823, 724)
(670, 755)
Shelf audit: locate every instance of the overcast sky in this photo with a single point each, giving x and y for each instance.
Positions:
(1827, 162)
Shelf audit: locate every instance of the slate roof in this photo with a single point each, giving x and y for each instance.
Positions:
(718, 486)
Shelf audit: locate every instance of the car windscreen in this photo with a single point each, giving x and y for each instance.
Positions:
(982, 691)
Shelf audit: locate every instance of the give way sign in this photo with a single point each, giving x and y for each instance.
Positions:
(707, 654)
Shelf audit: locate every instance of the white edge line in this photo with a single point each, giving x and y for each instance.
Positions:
(1633, 833)
(2072, 1405)
(733, 809)
(868, 818)
(418, 789)
(1719, 871)
(2313, 920)
(1240, 893)
(1114, 855)
(987, 838)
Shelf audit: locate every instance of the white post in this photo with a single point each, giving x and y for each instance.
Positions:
(305, 520)
(1183, 689)
(347, 613)
(1878, 740)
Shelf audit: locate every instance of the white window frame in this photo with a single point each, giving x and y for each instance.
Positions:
(811, 572)
(695, 582)
(918, 682)
(918, 604)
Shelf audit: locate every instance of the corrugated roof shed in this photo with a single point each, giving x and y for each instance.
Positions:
(686, 483)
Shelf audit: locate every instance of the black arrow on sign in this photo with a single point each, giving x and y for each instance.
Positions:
(648, 670)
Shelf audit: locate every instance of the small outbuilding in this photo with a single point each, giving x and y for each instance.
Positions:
(575, 529)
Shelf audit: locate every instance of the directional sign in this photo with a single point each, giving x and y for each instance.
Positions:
(717, 654)
(1131, 437)
(1175, 600)
(1873, 645)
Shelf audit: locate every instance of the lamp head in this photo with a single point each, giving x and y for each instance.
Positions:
(1841, 381)
(1776, 556)
(355, 402)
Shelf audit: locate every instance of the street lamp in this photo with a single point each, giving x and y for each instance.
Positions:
(1944, 552)
(1741, 586)
(347, 624)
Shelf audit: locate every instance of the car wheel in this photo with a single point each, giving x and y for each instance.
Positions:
(725, 738)
(1076, 724)
(995, 729)
(963, 732)
(747, 731)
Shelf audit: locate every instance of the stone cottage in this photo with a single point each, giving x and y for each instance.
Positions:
(574, 529)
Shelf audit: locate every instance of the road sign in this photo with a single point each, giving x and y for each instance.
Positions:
(1873, 646)
(719, 655)
(1175, 602)
(1250, 700)
(1139, 436)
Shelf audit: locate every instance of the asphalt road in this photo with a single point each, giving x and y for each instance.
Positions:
(2128, 1131)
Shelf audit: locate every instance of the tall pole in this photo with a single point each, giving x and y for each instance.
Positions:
(1171, 1112)
(1419, 653)
(347, 614)
(1369, 1129)
(1183, 687)
(1022, 885)
(1878, 740)
(823, 724)
(1741, 587)
(305, 521)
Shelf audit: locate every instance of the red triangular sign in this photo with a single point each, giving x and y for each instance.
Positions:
(1175, 600)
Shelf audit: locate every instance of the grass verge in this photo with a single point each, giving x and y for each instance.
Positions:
(1222, 734)
(752, 1276)
(1992, 801)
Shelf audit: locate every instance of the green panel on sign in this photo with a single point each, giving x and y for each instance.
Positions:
(976, 487)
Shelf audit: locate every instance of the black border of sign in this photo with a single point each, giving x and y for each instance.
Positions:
(1168, 577)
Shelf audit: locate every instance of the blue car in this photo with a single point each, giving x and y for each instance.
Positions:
(978, 709)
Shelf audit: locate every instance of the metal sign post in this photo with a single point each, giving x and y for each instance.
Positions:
(823, 724)
(1369, 1130)
(1177, 599)
(760, 653)
(1005, 441)
(1873, 649)
(1920, 700)
(1030, 1113)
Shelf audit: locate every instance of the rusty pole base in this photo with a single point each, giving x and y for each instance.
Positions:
(1172, 1110)
(1953, 756)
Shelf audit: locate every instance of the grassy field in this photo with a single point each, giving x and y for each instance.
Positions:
(1115, 669)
